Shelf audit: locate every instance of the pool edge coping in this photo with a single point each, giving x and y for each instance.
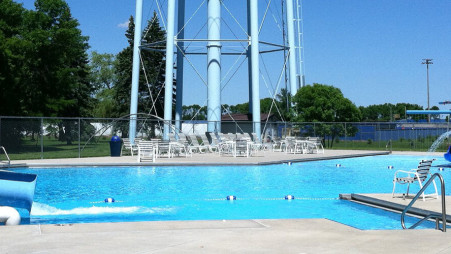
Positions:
(123, 164)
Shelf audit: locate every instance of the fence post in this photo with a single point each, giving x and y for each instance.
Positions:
(79, 138)
(314, 129)
(41, 131)
(379, 130)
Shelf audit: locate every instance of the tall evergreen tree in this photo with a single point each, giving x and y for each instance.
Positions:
(151, 81)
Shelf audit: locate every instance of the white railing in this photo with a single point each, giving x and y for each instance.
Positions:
(9, 160)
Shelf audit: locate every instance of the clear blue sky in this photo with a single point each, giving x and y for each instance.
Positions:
(371, 50)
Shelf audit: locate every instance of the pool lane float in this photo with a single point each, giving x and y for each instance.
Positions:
(110, 200)
(9, 216)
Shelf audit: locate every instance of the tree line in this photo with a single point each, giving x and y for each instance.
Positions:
(315, 103)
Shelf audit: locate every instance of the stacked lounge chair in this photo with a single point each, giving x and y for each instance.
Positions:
(146, 151)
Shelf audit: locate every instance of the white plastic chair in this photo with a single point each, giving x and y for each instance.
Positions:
(418, 175)
(146, 151)
(127, 146)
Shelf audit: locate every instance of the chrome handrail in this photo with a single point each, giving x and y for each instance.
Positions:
(430, 216)
(9, 160)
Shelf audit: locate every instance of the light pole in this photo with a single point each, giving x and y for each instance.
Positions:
(427, 61)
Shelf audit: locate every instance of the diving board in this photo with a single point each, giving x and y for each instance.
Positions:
(17, 189)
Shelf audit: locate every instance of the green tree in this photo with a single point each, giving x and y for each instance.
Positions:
(43, 64)
(12, 58)
(194, 112)
(387, 111)
(323, 103)
(102, 71)
(123, 70)
(58, 83)
(284, 104)
(242, 108)
(435, 116)
(151, 82)
(151, 78)
(103, 78)
(326, 104)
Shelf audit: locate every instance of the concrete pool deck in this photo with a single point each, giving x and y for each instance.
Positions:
(239, 236)
(261, 158)
(235, 236)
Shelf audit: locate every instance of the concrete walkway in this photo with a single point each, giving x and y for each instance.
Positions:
(242, 236)
(239, 236)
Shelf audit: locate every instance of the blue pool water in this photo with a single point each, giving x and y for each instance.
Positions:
(76, 195)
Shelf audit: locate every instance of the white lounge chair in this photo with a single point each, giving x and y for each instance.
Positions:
(146, 151)
(231, 136)
(222, 137)
(226, 147)
(195, 146)
(127, 146)
(418, 175)
(277, 145)
(315, 145)
(164, 149)
(179, 149)
(212, 147)
(247, 136)
(293, 146)
(239, 136)
(243, 147)
(182, 137)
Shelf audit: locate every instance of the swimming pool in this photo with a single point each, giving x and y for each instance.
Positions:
(76, 195)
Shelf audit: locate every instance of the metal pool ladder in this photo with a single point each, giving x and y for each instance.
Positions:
(435, 216)
(9, 160)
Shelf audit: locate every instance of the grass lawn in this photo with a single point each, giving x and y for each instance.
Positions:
(53, 149)
(397, 145)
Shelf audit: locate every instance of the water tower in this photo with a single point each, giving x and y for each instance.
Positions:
(214, 52)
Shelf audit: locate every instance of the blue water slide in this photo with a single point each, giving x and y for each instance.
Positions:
(447, 155)
(17, 189)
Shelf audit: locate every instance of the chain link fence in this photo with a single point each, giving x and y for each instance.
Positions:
(46, 137)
